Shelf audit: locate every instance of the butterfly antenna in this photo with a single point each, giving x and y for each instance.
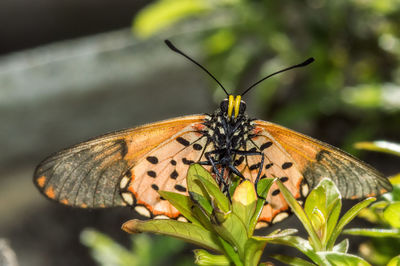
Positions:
(173, 48)
(308, 61)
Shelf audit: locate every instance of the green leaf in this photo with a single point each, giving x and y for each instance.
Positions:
(107, 251)
(234, 232)
(395, 261)
(197, 192)
(189, 232)
(204, 258)
(347, 217)
(323, 207)
(263, 187)
(392, 214)
(342, 247)
(343, 259)
(193, 182)
(300, 244)
(163, 13)
(184, 205)
(292, 260)
(253, 251)
(276, 234)
(298, 210)
(395, 180)
(244, 202)
(380, 146)
(215, 193)
(230, 252)
(373, 232)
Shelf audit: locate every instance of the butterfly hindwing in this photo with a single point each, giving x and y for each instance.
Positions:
(89, 174)
(277, 164)
(165, 168)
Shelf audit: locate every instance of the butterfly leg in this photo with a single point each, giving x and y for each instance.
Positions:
(247, 153)
(213, 163)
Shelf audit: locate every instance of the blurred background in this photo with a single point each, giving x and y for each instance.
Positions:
(71, 70)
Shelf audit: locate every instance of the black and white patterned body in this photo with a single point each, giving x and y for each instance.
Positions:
(228, 137)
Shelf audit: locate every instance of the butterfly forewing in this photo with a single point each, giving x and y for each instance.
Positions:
(317, 160)
(90, 174)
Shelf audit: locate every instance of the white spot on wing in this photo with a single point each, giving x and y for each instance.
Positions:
(182, 219)
(128, 198)
(305, 189)
(280, 216)
(124, 182)
(161, 217)
(142, 211)
(260, 225)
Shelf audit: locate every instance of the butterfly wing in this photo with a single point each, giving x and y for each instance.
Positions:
(92, 174)
(277, 162)
(300, 162)
(317, 160)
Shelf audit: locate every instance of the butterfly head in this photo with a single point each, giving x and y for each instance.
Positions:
(233, 106)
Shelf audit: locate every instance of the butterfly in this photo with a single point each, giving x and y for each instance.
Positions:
(129, 167)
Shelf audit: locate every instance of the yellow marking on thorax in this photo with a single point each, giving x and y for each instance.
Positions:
(230, 106)
(237, 105)
(233, 106)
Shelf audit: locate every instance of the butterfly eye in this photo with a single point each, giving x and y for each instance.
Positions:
(224, 105)
(242, 107)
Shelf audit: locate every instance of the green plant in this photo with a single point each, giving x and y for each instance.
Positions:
(354, 81)
(384, 243)
(227, 228)
(217, 223)
(320, 217)
(145, 250)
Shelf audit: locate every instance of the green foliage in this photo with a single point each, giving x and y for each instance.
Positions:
(385, 213)
(218, 224)
(320, 217)
(145, 250)
(355, 43)
(226, 227)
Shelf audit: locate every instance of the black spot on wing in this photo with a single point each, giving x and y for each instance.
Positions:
(266, 145)
(284, 179)
(180, 188)
(287, 165)
(187, 162)
(239, 161)
(183, 141)
(152, 159)
(254, 166)
(197, 147)
(254, 149)
(174, 175)
(152, 174)
(269, 165)
(275, 192)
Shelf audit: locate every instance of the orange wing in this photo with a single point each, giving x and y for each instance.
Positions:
(92, 174)
(317, 160)
(301, 162)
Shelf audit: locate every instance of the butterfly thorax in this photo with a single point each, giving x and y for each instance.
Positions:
(227, 134)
